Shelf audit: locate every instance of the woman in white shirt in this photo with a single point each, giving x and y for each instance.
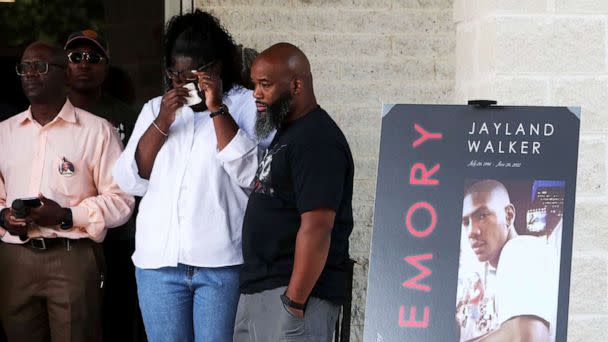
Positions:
(192, 165)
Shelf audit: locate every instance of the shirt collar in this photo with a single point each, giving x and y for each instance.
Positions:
(67, 114)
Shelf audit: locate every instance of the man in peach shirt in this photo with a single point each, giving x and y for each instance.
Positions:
(50, 264)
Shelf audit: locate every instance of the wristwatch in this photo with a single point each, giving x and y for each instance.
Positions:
(67, 222)
(287, 301)
(223, 110)
(2, 223)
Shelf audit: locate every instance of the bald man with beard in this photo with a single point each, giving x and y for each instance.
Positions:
(51, 264)
(524, 267)
(299, 215)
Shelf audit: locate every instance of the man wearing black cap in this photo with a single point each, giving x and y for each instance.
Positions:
(88, 65)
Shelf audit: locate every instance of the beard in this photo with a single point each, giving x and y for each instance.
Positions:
(273, 116)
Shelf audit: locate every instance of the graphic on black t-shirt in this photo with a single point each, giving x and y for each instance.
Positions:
(262, 182)
(120, 129)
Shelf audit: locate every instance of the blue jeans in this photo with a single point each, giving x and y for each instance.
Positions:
(187, 303)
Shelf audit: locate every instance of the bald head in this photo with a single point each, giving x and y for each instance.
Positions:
(288, 57)
(53, 53)
(490, 188)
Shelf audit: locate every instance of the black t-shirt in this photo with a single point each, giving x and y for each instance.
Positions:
(308, 166)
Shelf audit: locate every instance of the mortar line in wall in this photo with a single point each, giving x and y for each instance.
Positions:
(590, 255)
(287, 8)
(605, 167)
(541, 15)
(461, 82)
(593, 136)
(476, 71)
(550, 88)
(294, 32)
(551, 16)
(534, 76)
(601, 77)
(595, 199)
(606, 44)
(545, 75)
(391, 55)
(405, 34)
(388, 83)
(588, 316)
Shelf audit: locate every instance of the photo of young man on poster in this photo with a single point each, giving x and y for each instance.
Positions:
(509, 265)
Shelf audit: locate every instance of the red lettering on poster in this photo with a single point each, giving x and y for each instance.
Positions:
(412, 322)
(424, 175)
(408, 220)
(424, 135)
(424, 272)
(420, 175)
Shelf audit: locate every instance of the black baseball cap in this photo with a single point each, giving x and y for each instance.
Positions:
(93, 37)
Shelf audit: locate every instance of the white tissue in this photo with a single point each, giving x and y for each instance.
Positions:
(193, 97)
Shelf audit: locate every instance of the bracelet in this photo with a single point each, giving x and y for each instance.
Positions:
(288, 302)
(159, 130)
(222, 111)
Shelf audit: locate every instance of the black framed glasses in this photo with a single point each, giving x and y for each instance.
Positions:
(187, 75)
(78, 57)
(34, 68)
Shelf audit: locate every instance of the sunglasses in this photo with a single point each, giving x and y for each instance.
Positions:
(78, 57)
(187, 75)
(34, 68)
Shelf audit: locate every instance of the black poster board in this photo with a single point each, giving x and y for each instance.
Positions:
(473, 222)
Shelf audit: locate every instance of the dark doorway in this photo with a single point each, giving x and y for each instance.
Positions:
(132, 28)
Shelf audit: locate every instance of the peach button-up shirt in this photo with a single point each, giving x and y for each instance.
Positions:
(31, 159)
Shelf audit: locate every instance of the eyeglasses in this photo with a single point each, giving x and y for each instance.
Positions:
(77, 57)
(187, 75)
(34, 68)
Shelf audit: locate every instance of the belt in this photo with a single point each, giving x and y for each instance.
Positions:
(43, 244)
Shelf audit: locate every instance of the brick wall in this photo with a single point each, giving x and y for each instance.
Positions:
(551, 52)
(363, 53)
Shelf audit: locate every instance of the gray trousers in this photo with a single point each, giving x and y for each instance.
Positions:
(262, 317)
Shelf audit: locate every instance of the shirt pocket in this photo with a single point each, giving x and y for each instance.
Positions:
(72, 181)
